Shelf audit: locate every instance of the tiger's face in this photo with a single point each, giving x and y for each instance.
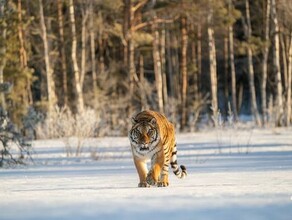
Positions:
(144, 136)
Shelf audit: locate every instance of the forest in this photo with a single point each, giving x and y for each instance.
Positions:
(105, 60)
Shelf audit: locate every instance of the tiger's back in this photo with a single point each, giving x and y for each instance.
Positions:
(152, 137)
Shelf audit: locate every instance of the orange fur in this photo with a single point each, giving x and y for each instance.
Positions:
(152, 137)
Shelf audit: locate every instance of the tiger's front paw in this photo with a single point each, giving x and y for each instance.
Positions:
(143, 184)
(162, 184)
(150, 179)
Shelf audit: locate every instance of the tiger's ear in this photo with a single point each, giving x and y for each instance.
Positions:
(134, 120)
(153, 121)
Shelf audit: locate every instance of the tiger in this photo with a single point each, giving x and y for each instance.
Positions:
(152, 137)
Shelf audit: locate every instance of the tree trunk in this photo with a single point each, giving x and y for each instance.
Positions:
(233, 73)
(276, 64)
(92, 53)
(288, 103)
(52, 99)
(28, 100)
(212, 61)
(184, 45)
(131, 52)
(226, 72)
(169, 63)
(62, 53)
(232, 65)
(254, 108)
(157, 67)
(78, 87)
(3, 27)
(163, 68)
(101, 44)
(83, 46)
(265, 62)
(127, 5)
(144, 103)
(195, 67)
(199, 54)
(284, 60)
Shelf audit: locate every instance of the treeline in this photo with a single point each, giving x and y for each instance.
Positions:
(180, 57)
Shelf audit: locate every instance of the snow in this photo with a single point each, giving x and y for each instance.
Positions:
(232, 174)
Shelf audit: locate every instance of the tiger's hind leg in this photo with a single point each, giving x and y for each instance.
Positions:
(163, 181)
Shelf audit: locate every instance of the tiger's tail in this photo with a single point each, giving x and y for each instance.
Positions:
(180, 172)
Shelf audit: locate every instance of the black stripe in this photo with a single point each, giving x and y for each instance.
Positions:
(173, 163)
(176, 172)
(174, 153)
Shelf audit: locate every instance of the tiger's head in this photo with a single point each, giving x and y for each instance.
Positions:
(144, 135)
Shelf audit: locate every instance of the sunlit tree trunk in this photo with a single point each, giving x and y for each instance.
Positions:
(163, 67)
(144, 103)
(3, 27)
(92, 53)
(157, 67)
(131, 52)
(170, 71)
(199, 54)
(52, 99)
(126, 31)
(101, 44)
(194, 67)
(83, 45)
(265, 62)
(78, 87)
(276, 64)
(212, 61)
(184, 74)
(23, 55)
(288, 102)
(254, 107)
(62, 53)
(232, 65)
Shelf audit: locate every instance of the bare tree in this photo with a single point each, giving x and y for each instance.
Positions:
(248, 33)
(232, 64)
(276, 64)
(23, 55)
(212, 60)
(265, 61)
(52, 99)
(92, 52)
(157, 67)
(163, 66)
(288, 98)
(184, 73)
(78, 86)
(62, 52)
(3, 27)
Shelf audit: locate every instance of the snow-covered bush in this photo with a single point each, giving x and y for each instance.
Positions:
(72, 128)
(232, 136)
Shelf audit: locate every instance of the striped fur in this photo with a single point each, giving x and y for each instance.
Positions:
(152, 137)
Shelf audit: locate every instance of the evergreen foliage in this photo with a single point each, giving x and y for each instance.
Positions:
(14, 148)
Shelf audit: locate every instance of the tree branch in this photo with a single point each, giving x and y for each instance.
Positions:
(156, 21)
(139, 5)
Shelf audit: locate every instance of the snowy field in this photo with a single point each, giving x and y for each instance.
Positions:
(237, 174)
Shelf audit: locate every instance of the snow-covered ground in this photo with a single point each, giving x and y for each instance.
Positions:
(232, 174)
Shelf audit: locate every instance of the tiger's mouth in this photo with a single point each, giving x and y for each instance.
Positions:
(144, 148)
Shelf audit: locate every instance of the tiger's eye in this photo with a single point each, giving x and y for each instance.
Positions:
(150, 132)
